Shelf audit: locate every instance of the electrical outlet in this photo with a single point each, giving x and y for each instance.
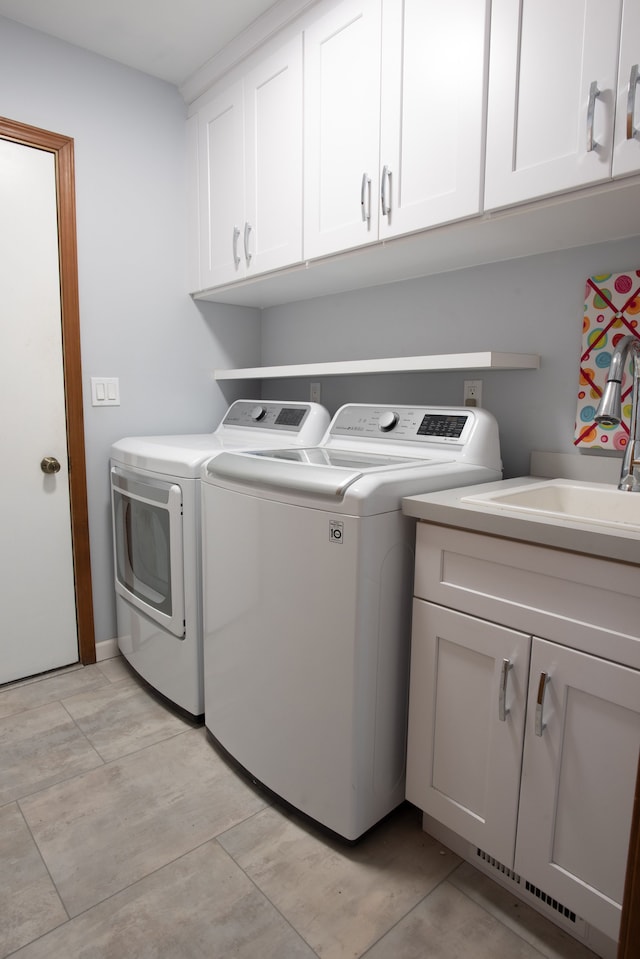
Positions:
(314, 393)
(473, 392)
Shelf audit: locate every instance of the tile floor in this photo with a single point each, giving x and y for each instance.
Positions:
(122, 833)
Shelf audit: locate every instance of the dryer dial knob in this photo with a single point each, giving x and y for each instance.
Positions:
(258, 413)
(387, 421)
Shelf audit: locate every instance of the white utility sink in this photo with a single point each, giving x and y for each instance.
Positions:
(567, 499)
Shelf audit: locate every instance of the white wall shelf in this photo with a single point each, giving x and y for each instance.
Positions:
(444, 362)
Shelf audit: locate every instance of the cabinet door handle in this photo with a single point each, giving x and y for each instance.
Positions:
(544, 681)
(236, 258)
(365, 200)
(247, 254)
(502, 698)
(386, 178)
(594, 93)
(632, 130)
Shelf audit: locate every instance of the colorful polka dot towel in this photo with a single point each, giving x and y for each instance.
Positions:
(611, 311)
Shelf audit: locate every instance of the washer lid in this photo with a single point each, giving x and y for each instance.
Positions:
(318, 470)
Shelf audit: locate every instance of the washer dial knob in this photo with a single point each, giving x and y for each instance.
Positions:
(387, 421)
(258, 413)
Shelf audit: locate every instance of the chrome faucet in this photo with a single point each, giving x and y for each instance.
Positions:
(609, 411)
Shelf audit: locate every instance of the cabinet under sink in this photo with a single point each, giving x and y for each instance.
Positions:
(524, 715)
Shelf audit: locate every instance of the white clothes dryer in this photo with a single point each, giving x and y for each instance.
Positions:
(308, 572)
(155, 493)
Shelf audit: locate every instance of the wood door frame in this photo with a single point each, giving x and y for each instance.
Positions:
(63, 152)
(630, 922)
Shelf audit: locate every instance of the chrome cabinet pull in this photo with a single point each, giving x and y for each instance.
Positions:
(247, 230)
(236, 258)
(365, 198)
(632, 131)
(594, 93)
(502, 698)
(545, 679)
(386, 178)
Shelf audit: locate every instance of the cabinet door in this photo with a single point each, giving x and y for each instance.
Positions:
(545, 56)
(466, 725)
(272, 231)
(221, 187)
(578, 779)
(342, 128)
(626, 156)
(433, 91)
(193, 207)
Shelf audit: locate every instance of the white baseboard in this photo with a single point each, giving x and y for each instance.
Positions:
(107, 649)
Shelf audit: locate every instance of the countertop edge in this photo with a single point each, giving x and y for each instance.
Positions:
(447, 508)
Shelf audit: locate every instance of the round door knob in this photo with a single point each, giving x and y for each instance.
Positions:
(387, 421)
(50, 465)
(258, 413)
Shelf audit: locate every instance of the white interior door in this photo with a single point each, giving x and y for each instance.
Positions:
(37, 584)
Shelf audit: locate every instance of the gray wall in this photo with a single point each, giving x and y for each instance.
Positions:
(529, 305)
(137, 321)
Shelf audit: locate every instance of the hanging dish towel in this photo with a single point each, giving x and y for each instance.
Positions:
(611, 311)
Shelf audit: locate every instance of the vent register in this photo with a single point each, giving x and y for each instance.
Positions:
(508, 877)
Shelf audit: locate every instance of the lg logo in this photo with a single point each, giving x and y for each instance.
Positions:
(336, 531)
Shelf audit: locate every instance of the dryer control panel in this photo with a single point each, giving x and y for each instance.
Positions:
(270, 415)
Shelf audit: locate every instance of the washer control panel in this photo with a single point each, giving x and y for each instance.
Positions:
(406, 423)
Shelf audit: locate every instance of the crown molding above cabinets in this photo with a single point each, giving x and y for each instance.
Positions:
(272, 22)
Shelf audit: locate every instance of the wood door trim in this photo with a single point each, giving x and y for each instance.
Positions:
(63, 150)
(630, 923)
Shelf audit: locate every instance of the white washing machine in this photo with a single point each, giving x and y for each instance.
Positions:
(155, 493)
(308, 573)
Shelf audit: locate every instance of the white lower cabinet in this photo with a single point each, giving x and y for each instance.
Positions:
(578, 780)
(466, 726)
(525, 747)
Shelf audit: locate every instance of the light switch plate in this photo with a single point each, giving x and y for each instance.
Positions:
(105, 391)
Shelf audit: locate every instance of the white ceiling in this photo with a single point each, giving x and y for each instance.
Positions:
(170, 39)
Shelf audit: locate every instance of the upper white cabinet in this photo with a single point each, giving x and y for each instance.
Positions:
(552, 88)
(354, 123)
(342, 127)
(394, 97)
(250, 171)
(220, 186)
(626, 151)
(434, 57)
